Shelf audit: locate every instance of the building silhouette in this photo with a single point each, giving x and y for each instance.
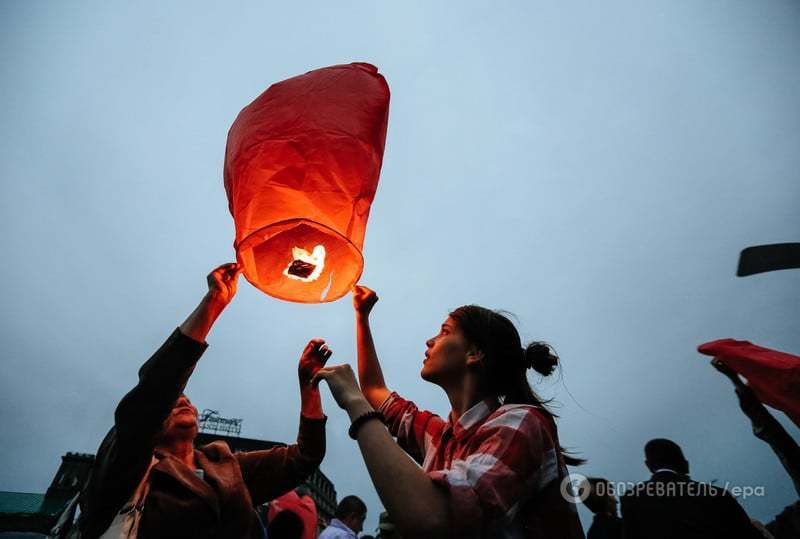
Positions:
(40, 513)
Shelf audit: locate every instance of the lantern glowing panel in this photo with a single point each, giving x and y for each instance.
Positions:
(301, 168)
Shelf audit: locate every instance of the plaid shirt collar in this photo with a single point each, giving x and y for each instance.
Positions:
(471, 419)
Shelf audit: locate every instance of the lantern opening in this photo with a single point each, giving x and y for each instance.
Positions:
(273, 260)
(306, 266)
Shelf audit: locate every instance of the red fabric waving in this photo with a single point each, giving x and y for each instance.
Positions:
(773, 375)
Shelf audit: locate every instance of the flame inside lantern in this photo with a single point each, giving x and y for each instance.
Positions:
(305, 266)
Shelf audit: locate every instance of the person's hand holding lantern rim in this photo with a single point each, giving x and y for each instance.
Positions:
(222, 287)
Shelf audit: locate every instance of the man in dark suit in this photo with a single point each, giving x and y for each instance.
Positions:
(670, 505)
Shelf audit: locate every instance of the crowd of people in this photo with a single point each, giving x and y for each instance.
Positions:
(670, 504)
(294, 516)
(495, 467)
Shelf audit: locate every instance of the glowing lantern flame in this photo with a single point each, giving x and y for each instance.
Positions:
(306, 266)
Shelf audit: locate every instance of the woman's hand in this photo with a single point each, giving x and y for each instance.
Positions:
(221, 289)
(222, 282)
(313, 358)
(364, 299)
(344, 388)
(727, 371)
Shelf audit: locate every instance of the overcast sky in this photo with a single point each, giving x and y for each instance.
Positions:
(595, 168)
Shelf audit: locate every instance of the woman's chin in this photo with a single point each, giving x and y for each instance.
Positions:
(185, 425)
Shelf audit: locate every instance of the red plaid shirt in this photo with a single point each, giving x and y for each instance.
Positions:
(500, 465)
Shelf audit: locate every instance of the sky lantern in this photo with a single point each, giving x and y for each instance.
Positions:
(301, 168)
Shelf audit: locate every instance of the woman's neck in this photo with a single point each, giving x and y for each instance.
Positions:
(182, 450)
(463, 396)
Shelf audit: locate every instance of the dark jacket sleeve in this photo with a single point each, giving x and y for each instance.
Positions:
(767, 428)
(126, 451)
(272, 472)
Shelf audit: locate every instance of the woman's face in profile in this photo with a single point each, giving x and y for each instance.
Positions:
(183, 416)
(445, 356)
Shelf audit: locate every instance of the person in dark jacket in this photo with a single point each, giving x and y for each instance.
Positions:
(786, 525)
(601, 501)
(671, 505)
(194, 492)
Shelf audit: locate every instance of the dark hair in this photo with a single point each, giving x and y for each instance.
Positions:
(664, 453)
(350, 506)
(505, 361)
(599, 491)
(285, 525)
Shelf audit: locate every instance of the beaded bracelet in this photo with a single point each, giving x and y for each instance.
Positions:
(358, 422)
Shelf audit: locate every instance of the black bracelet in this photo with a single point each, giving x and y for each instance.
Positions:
(358, 422)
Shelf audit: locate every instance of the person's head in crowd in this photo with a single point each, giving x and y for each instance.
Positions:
(481, 348)
(352, 512)
(285, 525)
(600, 498)
(181, 423)
(661, 453)
(386, 528)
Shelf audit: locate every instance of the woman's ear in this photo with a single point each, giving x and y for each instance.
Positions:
(474, 356)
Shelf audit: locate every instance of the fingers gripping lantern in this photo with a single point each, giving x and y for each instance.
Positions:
(301, 168)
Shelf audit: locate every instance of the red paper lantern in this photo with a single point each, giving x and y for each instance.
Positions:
(301, 168)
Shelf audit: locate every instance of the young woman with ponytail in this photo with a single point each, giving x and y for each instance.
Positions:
(494, 467)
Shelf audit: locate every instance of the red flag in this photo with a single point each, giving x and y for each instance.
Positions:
(773, 375)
